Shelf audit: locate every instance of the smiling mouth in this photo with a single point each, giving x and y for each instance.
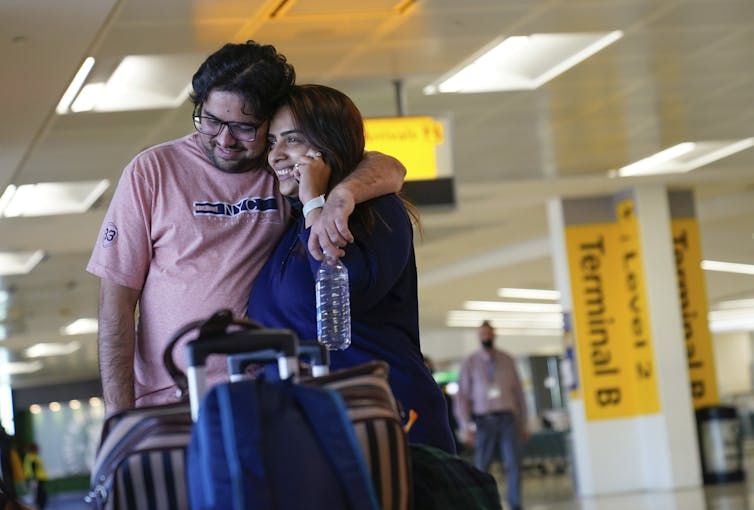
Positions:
(284, 172)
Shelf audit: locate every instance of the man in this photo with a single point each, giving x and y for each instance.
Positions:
(193, 220)
(490, 394)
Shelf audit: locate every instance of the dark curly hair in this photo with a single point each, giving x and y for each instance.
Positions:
(261, 75)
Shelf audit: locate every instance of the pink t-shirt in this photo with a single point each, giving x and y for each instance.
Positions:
(193, 238)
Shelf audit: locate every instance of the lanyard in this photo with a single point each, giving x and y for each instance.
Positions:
(491, 369)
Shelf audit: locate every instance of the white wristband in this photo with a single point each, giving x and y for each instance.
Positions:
(314, 203)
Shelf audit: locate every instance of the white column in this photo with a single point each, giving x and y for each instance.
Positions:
(646, 452)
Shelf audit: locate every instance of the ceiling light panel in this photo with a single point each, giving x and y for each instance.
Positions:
(139, 82)
(149, 81)
(540, 294)
(43, 350)
(80, 326)
(522, 62)
(51, 198)
(685, 157)
(512, 306)
(19, 367)
(535, 325)
(75, 86)
(727, 267)
(22, 262)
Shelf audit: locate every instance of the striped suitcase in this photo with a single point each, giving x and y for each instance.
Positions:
(141, 458)
(140, 462)
(374, 414)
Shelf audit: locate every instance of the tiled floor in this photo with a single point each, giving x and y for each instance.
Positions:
(555, 492)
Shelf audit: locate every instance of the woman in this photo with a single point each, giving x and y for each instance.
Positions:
(315, 139)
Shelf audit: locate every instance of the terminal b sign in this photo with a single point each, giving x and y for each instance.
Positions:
(611, 318)
(615, 356)
(692, 296)
(615, 381)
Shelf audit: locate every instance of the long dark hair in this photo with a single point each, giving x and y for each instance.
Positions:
(256, 72)
(332, 123)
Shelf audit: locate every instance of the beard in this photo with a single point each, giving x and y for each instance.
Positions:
(243, 164)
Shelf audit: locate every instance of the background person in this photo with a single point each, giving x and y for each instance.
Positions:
(193, 220)
(491, 409)
(315, 141)
(36, 476)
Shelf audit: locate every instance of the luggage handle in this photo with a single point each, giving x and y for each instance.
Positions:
(214, 338)
(316, 353)
(218, 322)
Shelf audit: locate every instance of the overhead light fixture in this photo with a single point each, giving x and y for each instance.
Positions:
(139, 82)
(727, 267)
(522, 62)
(82, 326)
(73, 89)
(43, 350)
(513, 306)
(536, 324)
(731, 320)
(20, 367)
(88, 97)
(50, 198)
(541, 294)
(683, 157)
(20, 262)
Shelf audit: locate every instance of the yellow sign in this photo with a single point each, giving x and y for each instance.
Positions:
(412, 140)
(693, 300)
(605, 376)
(634, 310)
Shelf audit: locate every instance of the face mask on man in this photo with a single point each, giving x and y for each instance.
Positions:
(487, 343)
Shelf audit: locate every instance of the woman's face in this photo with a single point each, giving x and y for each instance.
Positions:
(287, 146)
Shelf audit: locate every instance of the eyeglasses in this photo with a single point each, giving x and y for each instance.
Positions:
(241, 131)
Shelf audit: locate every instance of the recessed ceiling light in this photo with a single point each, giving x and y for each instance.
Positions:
(20, 367)
(43, 350)
(50, 198)
(139, 82)
(522, 62)
(21, 262)
(80, 326)
(75, 86)
(521, 323)
(683, 157)
(542, 294)
(727, 267)
(512, 306)
(731, 320)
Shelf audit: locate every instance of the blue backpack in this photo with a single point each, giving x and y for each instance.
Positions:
(276, 445)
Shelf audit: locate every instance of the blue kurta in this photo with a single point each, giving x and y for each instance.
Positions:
(384, 309)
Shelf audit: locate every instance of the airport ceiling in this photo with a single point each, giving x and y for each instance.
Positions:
(682, 72)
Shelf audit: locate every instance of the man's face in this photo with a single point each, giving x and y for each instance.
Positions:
(223, 149)
(486, 336)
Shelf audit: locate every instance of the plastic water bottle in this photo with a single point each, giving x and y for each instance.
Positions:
(333, 305)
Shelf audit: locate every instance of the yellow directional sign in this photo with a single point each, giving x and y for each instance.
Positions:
(413, 140)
